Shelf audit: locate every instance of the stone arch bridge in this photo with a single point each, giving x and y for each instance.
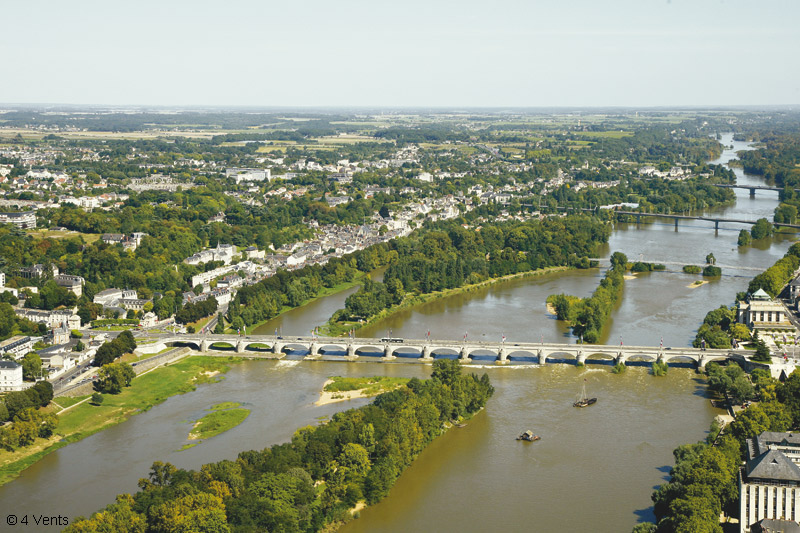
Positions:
(426, 350)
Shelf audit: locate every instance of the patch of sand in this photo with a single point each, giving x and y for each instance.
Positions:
(629, 276)
(332, 397)
(695, 285)
(551, 309)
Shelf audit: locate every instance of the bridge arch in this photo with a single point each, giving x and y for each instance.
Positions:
(258, 347)
(179, 343)
(221, 345)
(561, 356)
(522, 355)
(328, 348)
(600, 358)
(369, 350)
(409, 352)
(681, 360)
(483, 354)
(640, 359)
(445, 352)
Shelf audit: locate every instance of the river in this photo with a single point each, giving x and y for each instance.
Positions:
(594, 468)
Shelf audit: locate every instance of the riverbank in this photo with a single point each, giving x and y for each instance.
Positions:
(340, 329)
(84, 419)
(324, 292)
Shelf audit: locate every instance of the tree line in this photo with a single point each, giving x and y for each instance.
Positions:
(310, 483)
(450, 256)
(588, 315)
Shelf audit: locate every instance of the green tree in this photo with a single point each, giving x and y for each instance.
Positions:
(744, 238)
(762, 353)
(97, 398)
(31, 366)
(761, 229)
(113, 377)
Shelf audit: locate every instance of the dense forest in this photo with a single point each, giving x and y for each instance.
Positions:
(309, 484)
(450, 256)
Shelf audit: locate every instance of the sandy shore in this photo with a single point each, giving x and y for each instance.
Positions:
(328, 397)
(551, 309)
(629, 276)
(695, 285)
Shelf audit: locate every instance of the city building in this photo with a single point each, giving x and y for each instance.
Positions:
(26, 220)
(10, 376)
(17, 346)
(73, 283)
(769, 483)
(37, 271)
(53, 318)
(761, 311)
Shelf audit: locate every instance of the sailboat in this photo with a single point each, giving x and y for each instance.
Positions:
(584, 401)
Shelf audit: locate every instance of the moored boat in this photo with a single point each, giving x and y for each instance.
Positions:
(583, 400)
(529, 436)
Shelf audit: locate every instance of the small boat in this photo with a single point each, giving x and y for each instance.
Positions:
(583, 400)
(529, 436)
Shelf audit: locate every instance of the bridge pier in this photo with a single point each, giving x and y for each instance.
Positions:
(542, 357)
(351, 352)
(240, 347)
(676, 223)
(580, 359)
(716, 225)
(502, 357)
(620, 359)
(426, 354)
(277, 348)
(388, 352)
(638, 219)
(313, 351)
(701, 362)
(204, 345)
(464, 355)
(752, 192)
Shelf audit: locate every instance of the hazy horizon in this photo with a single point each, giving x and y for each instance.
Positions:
(416, 55)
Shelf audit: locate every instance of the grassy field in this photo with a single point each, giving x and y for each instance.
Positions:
(223, 416)
(146, 391)
(370, 386)
(88, 238)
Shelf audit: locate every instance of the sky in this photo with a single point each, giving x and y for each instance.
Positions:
(410, 53)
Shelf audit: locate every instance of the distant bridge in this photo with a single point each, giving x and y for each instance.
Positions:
(716, 220)
(428, 350)
(753, 188)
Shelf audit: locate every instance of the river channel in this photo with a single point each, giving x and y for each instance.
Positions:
(593, 470)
